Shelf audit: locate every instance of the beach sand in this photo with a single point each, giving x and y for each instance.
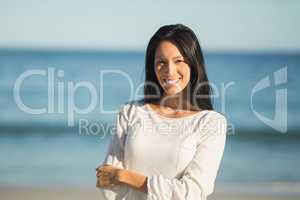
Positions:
(229, 192)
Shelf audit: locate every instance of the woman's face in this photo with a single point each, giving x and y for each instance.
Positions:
(171, 69)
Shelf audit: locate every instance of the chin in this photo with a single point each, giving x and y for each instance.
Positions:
(172, 91)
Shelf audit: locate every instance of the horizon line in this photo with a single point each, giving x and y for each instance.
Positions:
(142, 50)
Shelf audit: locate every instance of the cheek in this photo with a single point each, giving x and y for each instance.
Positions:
(186, 75)
(157, 74)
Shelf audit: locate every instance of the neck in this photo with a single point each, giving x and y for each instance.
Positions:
(175, 102)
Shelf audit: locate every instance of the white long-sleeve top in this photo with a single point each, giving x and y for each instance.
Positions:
(180, 156)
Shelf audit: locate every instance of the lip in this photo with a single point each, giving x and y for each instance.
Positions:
(167, 83)
(171, 79)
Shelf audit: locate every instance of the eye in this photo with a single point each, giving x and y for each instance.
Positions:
(160, 62)
(178, 61)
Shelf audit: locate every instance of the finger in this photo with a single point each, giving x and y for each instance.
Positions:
(102, 173)
(104, 168)
(103, 178)
(103, 186)
(98, 183)
(103, 183)
(98, 168)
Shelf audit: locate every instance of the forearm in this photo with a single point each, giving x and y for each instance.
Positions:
(133, 179)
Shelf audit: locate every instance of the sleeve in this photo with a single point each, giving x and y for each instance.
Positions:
(197, 180)
(115, 155)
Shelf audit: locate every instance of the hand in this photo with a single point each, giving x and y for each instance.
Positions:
(107, 175)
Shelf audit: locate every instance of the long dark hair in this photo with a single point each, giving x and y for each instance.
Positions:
(187, 43)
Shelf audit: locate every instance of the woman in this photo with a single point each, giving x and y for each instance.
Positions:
(168, 145)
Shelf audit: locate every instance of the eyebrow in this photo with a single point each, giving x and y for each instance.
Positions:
(172, 58)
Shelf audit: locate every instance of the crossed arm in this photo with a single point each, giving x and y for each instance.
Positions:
(197, 181)
(109, 175)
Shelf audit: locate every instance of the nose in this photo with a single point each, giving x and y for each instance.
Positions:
(171, 69)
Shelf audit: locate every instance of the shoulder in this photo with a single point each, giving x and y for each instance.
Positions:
(215, 116)
(213, 122)
(129, 109)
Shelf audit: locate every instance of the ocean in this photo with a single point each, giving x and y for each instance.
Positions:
(50, 147)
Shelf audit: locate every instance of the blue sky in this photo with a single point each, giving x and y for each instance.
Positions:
(94, 24)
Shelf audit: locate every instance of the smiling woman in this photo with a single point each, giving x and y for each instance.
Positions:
(171, 68)
(172, 162)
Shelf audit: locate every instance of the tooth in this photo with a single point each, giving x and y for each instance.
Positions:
(172, 81)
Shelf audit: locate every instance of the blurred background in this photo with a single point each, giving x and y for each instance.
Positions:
(251, 48)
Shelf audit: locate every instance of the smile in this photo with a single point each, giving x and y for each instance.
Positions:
(171, 81)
